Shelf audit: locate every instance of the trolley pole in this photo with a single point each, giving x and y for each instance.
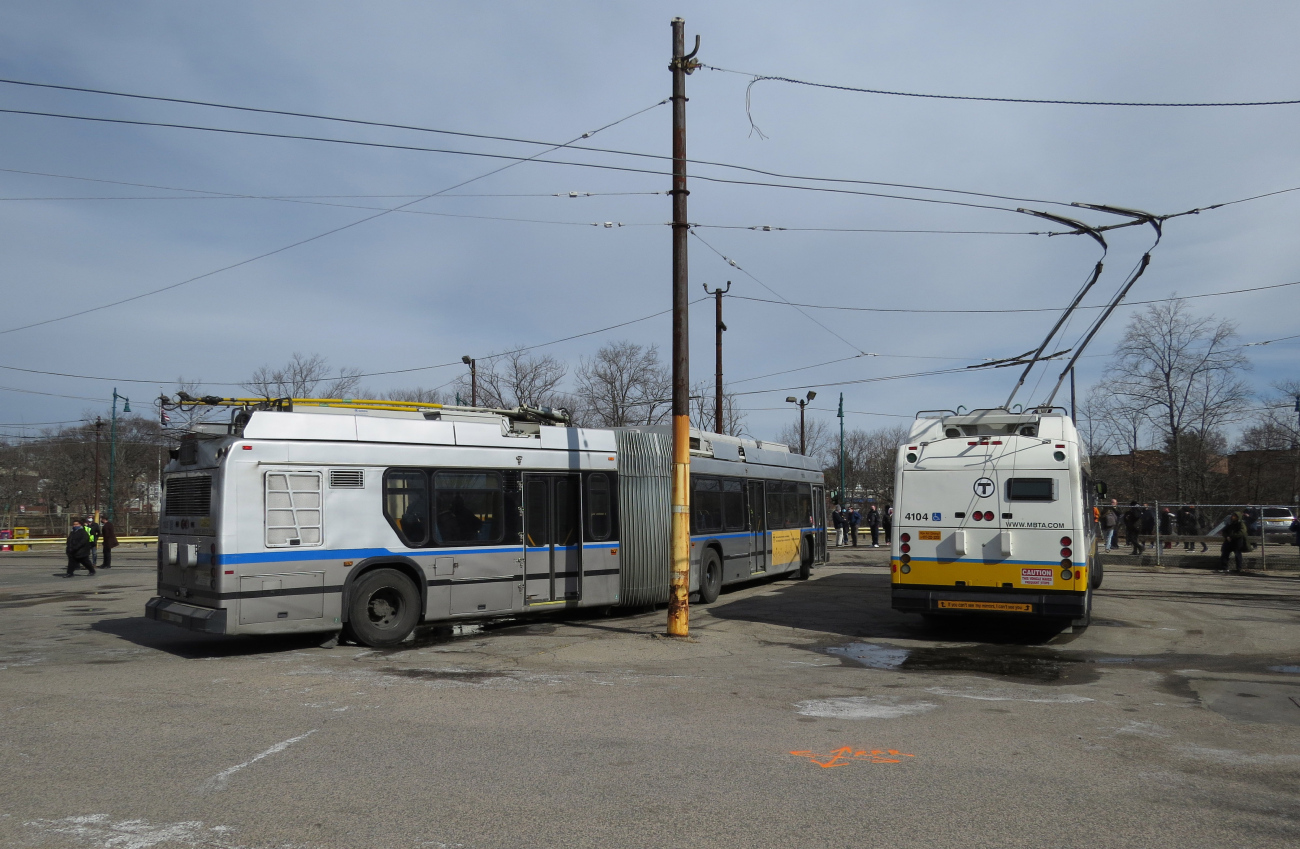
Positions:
(1072, 418)
(679, 586)
(721, 328)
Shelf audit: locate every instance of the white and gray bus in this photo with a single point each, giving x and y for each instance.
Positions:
(371, 521)
(993, 514)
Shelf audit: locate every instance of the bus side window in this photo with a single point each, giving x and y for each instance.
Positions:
(803, 515)
(406, 505)
(598, 507)
(775, 506)
(468, 507)
(707, 501)
(733, 504)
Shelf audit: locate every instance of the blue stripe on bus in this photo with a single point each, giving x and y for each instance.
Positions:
(1055, 563)
(362, 553)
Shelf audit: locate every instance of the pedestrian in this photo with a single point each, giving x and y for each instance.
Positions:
(78, 549)
(1110, 525)
(109, 534)
(855, 519)
(1166, 526)
(1189, 526)
(1251, 517)
(92, 531)
(1235, 539)
(1132, 527)
(837, 519)
(888, 523)
(1295, 529)
(873, 522)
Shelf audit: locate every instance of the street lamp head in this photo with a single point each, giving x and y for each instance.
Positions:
(126, 405)
(466, 360)
(811, 395)
(792, 400)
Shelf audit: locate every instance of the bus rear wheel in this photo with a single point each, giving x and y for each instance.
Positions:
(805, 559)
(710, 576)
(384, 608)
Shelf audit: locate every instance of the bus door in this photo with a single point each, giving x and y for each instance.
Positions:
(758, 550)
(819, 522)
(552, 538)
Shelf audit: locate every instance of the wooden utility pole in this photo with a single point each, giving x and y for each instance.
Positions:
(721, 328)
(473, 379)
(99, 426)
(679, 585)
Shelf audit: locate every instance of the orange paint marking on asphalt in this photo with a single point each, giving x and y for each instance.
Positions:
(846, 755)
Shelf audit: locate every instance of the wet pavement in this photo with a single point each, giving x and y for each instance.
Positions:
(798, 713)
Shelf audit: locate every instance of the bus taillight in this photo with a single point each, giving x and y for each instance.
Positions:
(906, 538)
(1066, 541)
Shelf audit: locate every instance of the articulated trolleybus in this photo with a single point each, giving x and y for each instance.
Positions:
(373, 517)
(993, 513)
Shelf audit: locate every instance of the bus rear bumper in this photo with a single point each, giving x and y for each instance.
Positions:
(206, 619)
(931, 601)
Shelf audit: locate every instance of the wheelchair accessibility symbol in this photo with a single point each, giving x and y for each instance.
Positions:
(984, 487)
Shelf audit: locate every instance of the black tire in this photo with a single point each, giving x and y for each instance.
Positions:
(383, 609)
(1098, 572)
(805, 560)
(1086, 619)
(710, 576)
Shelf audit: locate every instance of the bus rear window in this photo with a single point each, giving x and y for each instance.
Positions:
(1031, 489)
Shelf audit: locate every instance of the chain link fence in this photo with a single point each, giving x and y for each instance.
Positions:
(1191, 535)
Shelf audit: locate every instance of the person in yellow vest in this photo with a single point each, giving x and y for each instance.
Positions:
(92, 531)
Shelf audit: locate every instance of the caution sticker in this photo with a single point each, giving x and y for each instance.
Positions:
(934, 535)
(1040, 577)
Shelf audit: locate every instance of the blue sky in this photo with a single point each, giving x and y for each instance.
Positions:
(412, 289)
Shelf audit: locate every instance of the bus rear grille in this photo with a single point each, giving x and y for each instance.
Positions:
(190, 496)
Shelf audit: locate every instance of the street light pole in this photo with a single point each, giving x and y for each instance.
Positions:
(843, 486)
(473, 379)
(721, 328)
(680, 547)
(112, 452)
(803, 445)
(99, 426)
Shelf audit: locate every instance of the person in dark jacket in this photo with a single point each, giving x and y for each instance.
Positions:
(873, 522)
(1250, 517)
(1132, 525)
(887, 522)
(1166, 527)
(1295, 529)
(109, 535)
(855, 519)
(1235, 539)
(78, 549)
(837, 519)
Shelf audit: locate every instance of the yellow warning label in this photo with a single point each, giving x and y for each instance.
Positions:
(934, 535)
(1001, 606)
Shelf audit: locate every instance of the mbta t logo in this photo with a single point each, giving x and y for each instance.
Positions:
(984, 487)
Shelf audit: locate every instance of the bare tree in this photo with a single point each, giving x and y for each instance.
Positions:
(704, 412)
(517, 379)
(1274, 433)
(623, 384)
(418, 394)
(303, 377)
(1182, 372)
(819, 441)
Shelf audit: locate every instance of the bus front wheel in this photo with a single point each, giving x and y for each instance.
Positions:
(710, 576)
(384, 609)
(805, 559)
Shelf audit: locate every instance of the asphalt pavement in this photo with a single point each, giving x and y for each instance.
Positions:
(799, 713)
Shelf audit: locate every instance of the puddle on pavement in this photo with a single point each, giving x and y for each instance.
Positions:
(1289, 670)
(1026, 663)
(464, 675)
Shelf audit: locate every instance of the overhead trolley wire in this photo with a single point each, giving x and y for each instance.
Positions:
(757, 78)
(1002, 311)
(329, 232)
